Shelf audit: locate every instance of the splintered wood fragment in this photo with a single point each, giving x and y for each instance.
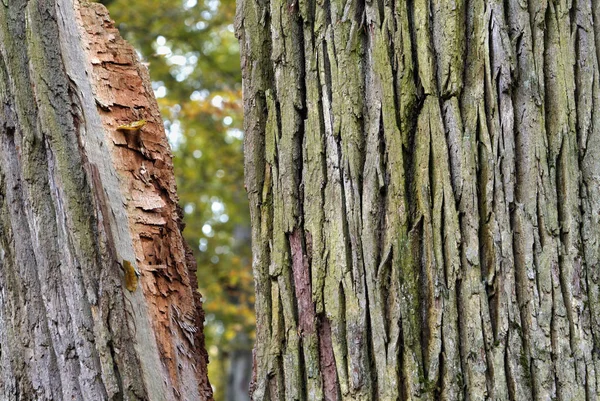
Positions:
(131, 127)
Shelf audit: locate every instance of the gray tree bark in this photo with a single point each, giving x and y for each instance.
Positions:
(85, 204)
(424, 185)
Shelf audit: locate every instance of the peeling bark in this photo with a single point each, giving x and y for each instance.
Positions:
(97, 286)
(429, 171)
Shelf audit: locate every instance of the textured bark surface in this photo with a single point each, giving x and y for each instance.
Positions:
(84, 206)
(424, 184)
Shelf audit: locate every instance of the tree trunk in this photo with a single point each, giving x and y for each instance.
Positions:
(424, 184)
(83, 206)
(239, 369)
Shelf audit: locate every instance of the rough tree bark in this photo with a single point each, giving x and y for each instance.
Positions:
(82, 206)
(424, 184)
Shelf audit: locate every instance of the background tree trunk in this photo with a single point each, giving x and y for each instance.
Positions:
(424, 184)
(239, 369)
(82, 206)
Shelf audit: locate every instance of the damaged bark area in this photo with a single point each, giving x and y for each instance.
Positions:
(143, 161)
(98, 294)
(429, 172)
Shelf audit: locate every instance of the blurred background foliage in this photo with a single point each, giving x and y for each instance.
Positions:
(193, 59)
